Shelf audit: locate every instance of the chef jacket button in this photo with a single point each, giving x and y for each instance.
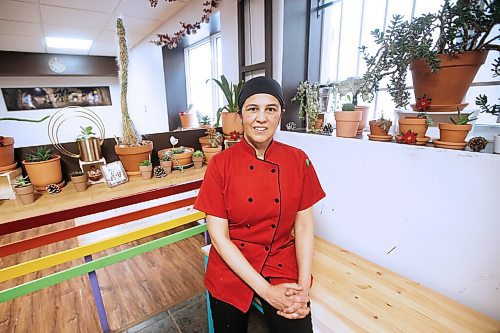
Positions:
(251, 167)
(267, 248)
(248, 226)
(280, 265)
(273, 170)
(273, 226)
(250, 199)
(276, 200)
(242, 244)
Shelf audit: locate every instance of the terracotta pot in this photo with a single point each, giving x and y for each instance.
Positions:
(80, 182)
(449, 85)
(377, 130)
(7, 152)
(210, 152)
(416, 125)
(204, 140)
(25, 194)
(364, 117)
(146, 171)
(231, 121)
(198, 162)
(189, 120)
(347, 123)
(44, 173)
(132, 156)
(453, 133)
(179, 160)
(319, 121)
(167, 166)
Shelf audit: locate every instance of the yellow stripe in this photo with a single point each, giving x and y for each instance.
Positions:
(80, 252)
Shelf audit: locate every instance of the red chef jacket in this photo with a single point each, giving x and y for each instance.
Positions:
(260, 199)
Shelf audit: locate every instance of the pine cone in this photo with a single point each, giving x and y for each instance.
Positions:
(53, 189)
(328, 129)
(477, 144)
(159, 172)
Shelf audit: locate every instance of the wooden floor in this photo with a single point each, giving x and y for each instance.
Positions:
(133, 291)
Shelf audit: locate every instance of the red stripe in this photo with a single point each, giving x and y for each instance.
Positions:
(68, 214)
(56, 236)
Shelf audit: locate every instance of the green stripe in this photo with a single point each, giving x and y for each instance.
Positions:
(82, 269)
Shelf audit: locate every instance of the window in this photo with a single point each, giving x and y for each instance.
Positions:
(203, 62)
(347, 25)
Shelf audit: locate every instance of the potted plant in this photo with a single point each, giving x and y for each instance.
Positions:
(198, 159)
(130, 148)
(354, 87)
(25, 191)
(7, 161)
(347, 121)
(166, 163)
(457, 131)
(43, 168)
(213, 147)
(416, 125)
(379, 129)
(205, 122)
(89, 145)
(189, 118)
(181, 156)
(308, 97)
(443, 51)
(80, 180)
(146, 169)
(231, 120)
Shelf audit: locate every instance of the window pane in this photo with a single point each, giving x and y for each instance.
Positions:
(199, 71)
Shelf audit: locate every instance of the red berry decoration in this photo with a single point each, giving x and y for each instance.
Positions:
(409, 137)
(424, 103)
(234, 135)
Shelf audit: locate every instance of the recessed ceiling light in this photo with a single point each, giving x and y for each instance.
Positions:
(68, 43)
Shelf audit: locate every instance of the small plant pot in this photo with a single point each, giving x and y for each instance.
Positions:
(7, 154)
(204, 140)
(198, 162)
(188, 120)
(25, 194)
(231, 121)
(210, 152)
(416, 125)
(347, 123)
(453, 133)
(146, 171)
(377, 130)
(80, 182)
(167, 166)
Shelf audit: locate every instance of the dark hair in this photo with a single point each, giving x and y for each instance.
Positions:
(260, 85)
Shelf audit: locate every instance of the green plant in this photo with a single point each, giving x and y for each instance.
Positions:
(482, 102)
(21, 181)
(205, 120)
(462, 119)
(42, 154)
(384, 124)
(198, 153)
(231, 93)
(348, 107)
(428, 119)
(130, 136)
(86, 133)
(308, 97)
(457, 27)
(178, 150)
(145, 163)
(76, 173)
(352, 87)
(166, 157)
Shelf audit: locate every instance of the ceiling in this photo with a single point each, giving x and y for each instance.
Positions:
(25, 24)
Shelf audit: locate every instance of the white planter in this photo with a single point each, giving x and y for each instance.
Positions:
(496, 144)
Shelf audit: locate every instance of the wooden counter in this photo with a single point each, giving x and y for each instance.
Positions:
(99, 197)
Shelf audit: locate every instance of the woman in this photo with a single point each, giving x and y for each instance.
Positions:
(258, 197)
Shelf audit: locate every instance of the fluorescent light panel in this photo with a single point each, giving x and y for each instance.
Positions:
(68, 43)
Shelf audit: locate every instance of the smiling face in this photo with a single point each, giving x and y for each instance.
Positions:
(261, 114)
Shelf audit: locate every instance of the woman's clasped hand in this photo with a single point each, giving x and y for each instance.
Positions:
(289, 299)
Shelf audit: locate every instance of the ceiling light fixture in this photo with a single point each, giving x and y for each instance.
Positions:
(68, 43)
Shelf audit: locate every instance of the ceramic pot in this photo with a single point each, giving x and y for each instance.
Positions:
(25, 194)
(453, 133)
(231, 121)
(167, 166)
(7, 153)
(146, 171)
(80, 182)
(210, 152)
(179, 160)
(44, 173)
(377, 130)
(198, 162)
(416, 125)
(132, 156)
(188, 120)
(347, 123)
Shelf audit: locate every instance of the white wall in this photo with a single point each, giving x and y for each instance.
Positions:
(31, 134)
(439, 209)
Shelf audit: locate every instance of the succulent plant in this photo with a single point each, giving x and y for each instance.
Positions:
(76, 173)
(21, 181)
(42, 154)
(198, 153)
(462, 119)
(348, 107)
(145, 163)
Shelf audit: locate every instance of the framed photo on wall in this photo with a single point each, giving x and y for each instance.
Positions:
(114, 173)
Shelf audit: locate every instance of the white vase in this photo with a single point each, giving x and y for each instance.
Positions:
(496, 144)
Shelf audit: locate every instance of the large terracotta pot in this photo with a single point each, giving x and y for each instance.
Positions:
(132, 156)
(179, 160)
(210, 152)
(231, 121)
(347, 123)
(453, 133)
(44, 173)
(448, 86)
(364, 117)
(416, 125)
(7, 161)
(189, 120)
(26, 194)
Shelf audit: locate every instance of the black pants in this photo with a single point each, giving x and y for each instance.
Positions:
(228, 319)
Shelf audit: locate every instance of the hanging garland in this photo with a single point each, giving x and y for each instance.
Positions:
(187, 28)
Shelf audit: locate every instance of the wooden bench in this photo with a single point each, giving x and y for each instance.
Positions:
(351, 294)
